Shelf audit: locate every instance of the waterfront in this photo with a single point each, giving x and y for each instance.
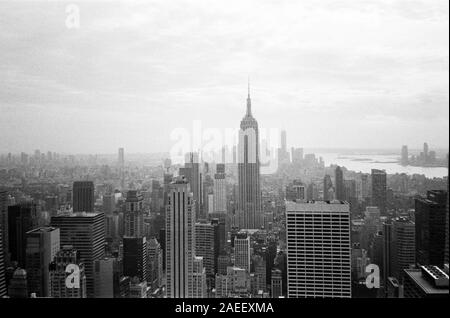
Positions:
(366, 162)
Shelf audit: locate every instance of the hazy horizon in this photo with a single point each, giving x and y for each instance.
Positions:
(333, 74)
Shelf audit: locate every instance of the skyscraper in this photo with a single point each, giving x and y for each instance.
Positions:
(430, 219)
(57, 269)
(402, 246)
(180, 240)
(318, 249)
(327, 188)
(21, 219)
(242, 251)
(2, 267)
(86, 233)
(339, 184)
(134, 215)
(135, 257)
(83, 196)
(379, 189)
(42, 246)
(404, 159)
(205, 247)
(220, 190)
(121, 157)
(249, 199)
(4, 221)
(191, 172)
(199, 286)
(107, 277)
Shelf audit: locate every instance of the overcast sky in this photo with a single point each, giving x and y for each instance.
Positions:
(354, 74)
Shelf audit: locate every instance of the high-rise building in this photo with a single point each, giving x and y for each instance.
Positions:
(109, 203)
(2, 267)
(21, 219)
(258, 266)
(191, 172)
(430, 219)
(199, 289)
(4, 221)
(205, 247)
(318, 249)
(297, 155)
(86, 233)
(155, 263)
(41, 248)
(249, 199)
(134, 215)
(121, 157)
(402, 246)
(58, 275)
(295, 191)
(379, 191)
(180, 240)
(327, 188)
(107, 277)
(242, 251)
(276, 283)
(339, 184)
(220, 190)
(404, 159)
(135, 257)
(83, 196)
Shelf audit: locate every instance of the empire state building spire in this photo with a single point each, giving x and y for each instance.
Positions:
(249, 101)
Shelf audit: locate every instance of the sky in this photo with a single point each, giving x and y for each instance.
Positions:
(338, 74)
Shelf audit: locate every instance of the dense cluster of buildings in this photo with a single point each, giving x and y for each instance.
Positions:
(218, 229)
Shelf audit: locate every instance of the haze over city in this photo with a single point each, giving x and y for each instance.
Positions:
(339, 74)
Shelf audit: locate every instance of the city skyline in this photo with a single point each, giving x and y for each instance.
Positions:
(387, 78)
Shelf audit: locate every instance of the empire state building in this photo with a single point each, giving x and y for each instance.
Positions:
(249, 200)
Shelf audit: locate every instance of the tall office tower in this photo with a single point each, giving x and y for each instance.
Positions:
(134, 215)
(205, 247)
(109, 203)
(295, 191)
(219, 238)
(86, 233)
(168, 177)
(83, 196)
(339, 184)
(249, 204)
(107, 277)
(379, 189)
(259, 269)
(57, 269)
(223, 261)
(155, 263)
(318, 233)
(121, 157)
(283, 154)
(191, 172)
(135, 257)
(276, 283)
(18, 287)
(402, 246)
(327, 188)
(386, 269)
(208, 197)
(42, 246)
(425, 150)
(404, 159)
(180, 240)
(365, 188)
(199, 279)
(21, 219)
(426, 282)
(350, 190)
(220, 189)
(297, 155)
(2, 267)
(4, 221)
(242, 251)
(430, 215)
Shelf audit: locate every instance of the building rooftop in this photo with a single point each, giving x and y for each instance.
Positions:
(318, 206)
(427, 286)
